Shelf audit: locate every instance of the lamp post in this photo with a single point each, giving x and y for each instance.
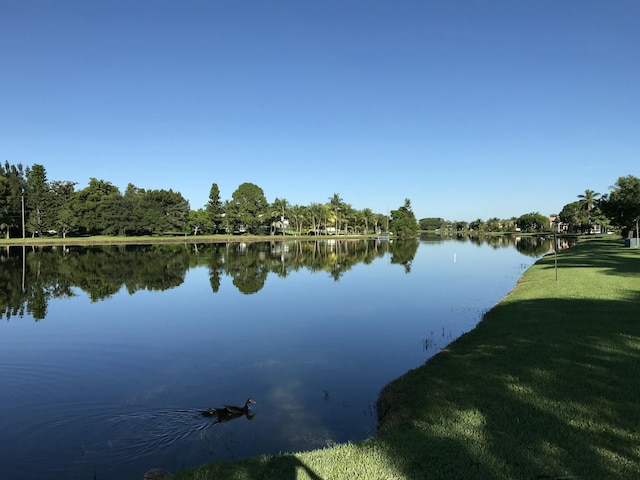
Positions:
(556, 228)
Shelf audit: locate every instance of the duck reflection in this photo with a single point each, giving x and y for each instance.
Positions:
(229, 412)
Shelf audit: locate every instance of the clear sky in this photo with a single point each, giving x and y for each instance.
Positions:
(471, 109)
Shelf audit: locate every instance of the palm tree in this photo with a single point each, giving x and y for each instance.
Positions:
(315, 211)
(358, 219)
(367, 216)
(336, 204)
(325, 213)
(588, 202)
(280, 207)
(298, 215)
(347, 216)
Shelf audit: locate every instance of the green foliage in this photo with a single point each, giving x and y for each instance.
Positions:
(162, 211)
(533, 222)
(39, 201)
(300, 216)
(477, 225)
(315, 215)
(198, 220)
(247, 208)
(588, 200)
(622, 205)
(494, 225)
(12, 186)
(214, 210)
(431, 223)
(336, 203)
(65, 219)
(95, 207)
(370, 219)
(278, 215)
(403, 222)
(573, 214)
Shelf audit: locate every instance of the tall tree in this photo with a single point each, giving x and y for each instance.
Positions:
(96, 209)
(132, 203)
(299, 215)
(622, 204)
(279, 209)
(62, 194)
(38, 201)
(403, 221)
(247, 207)
(336, 204)
(315, 215)
(164, 211)
(369, 218)
(214, 208)
(12, 186)
(588, 201)
(358, 221)
(176, 209)
(348, 216)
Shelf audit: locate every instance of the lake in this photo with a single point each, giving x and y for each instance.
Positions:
(109, 354)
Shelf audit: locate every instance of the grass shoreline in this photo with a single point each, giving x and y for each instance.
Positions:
(544, 387)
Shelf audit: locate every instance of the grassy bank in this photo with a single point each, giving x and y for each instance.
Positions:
(545, 387)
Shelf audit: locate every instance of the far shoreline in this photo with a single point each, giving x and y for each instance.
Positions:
(173, 239)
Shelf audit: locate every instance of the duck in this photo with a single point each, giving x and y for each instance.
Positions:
(227, 412)
(232, 410)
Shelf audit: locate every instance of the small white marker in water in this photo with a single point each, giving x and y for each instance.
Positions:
(454, 258)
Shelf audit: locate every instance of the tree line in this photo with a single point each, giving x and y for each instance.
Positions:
(618, 210)
(32, 205)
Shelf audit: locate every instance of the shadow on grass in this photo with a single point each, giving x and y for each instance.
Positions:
(530, 396)
(609, 255)
(284, 467)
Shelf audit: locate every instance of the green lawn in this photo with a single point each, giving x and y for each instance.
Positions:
(547, 386)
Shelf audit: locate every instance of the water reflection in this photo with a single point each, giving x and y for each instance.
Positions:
(33, 276)
(532, 246)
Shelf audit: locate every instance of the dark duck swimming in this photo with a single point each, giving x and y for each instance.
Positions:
(229, 412)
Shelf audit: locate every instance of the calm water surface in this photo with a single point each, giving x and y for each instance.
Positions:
(108, 354)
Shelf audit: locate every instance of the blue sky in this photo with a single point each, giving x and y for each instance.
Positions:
(471, 109)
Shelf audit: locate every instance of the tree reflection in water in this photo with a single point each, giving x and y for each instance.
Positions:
(32, 276)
